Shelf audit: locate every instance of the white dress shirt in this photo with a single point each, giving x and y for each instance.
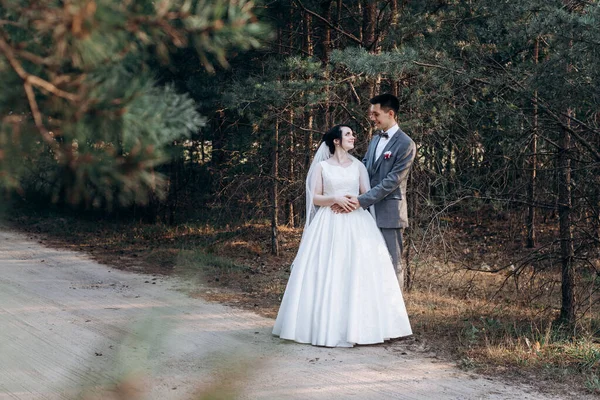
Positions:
(383, 141)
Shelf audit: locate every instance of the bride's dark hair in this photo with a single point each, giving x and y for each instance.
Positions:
(331, 135)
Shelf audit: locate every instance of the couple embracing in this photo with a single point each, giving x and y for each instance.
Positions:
(345, 284)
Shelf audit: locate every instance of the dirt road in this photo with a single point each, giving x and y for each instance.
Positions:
(68, 324)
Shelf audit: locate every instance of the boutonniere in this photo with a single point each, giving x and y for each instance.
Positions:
(387, 155)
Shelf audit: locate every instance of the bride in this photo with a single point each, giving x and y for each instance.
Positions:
(342, 289)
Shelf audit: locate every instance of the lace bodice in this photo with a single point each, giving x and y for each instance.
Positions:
(340, 180)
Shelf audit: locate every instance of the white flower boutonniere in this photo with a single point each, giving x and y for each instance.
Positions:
(387, 155)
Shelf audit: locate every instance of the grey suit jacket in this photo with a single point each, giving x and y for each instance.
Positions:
(388, 178)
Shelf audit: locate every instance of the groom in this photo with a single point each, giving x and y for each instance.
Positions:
(388, 160)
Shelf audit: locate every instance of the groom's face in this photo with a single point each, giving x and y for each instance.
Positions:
(381, 118)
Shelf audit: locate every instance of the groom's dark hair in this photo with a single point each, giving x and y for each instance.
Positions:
(332, 134)
(387, 102)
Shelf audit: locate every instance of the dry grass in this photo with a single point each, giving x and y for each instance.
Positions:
(485, 324)
(495, 323)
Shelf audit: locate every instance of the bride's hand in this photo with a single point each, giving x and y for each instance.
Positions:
(337, 209)
(347, 204)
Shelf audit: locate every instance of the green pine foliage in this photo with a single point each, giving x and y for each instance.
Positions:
(84, 120)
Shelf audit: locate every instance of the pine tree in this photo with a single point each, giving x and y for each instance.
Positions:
(83, 119)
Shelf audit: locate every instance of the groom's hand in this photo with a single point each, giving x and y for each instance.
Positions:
(354, 201)
(338, 209)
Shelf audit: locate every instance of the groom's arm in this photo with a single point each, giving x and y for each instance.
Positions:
(364, 160)
(392, 180)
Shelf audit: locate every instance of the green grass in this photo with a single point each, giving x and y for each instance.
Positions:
(198, 261)
(592, 383)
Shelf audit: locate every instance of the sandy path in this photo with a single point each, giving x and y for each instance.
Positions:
(68, 323)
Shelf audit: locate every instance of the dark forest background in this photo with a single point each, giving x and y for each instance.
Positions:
(208, 112)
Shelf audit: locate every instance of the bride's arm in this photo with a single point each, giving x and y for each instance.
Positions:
(364, 184)
(327, 201)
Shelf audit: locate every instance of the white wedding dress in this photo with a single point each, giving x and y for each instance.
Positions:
(342, 288)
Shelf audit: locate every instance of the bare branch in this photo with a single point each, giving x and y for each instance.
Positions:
(557, 118)
(319, 17)
(37, 117)
(32, 79)
(28, 82)
(590, 147)
(36, 59)
(5, 22)
(421, 64)
(578, 122)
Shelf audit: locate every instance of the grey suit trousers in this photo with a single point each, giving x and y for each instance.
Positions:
(393, 240)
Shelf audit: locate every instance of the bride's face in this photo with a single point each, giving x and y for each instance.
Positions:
(348, 138)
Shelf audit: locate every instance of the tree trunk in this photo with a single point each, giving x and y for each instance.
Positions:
(395, 88)
(567, 311)
(327, 45)
(275, 193)
(291, 171)
(309, 50)
(369, 24)
(413, 211)
(218, 142)
(448, 167)
(438, 164)
(395, 13)
(308, 142)
(594, 212)
(202, 149)
(280, 47)
(531, 189)
(172, 199)
(150, 211)
(308, 42)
